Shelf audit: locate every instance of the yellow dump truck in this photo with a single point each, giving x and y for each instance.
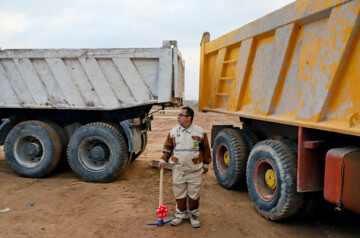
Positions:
(293, 78)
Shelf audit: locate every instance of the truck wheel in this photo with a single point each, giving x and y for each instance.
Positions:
(271, 178)
(144, 140)
(64, 142)
(122, 132)
(292, 144)
(312, 201)
(250, 138)
(97, 152)
(230, 153)
(63, 136)
(32, 149)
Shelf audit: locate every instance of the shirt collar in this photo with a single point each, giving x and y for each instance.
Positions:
(189, 129)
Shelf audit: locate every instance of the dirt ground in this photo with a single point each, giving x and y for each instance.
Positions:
(64, 206)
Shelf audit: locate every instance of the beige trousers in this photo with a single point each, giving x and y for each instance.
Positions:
(187, 184)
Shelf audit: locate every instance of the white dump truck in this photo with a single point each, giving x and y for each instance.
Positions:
(89, 107)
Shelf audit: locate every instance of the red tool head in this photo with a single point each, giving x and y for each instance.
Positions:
(161, 212)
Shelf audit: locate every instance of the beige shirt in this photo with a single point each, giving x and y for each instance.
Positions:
(189, 148)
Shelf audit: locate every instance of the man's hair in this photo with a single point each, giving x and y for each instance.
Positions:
(189, 112)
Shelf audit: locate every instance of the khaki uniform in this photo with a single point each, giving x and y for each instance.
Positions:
(190, 152)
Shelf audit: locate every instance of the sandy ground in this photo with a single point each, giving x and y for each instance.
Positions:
(64, 206)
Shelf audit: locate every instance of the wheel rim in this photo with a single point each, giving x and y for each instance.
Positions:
(95, 154)
(28, 150)
(222, 158)
(265, 179)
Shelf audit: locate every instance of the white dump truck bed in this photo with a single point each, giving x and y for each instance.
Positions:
(91, 79)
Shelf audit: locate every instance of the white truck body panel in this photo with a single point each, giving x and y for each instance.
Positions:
(91, 79)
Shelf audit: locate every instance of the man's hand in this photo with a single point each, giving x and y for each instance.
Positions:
(206, 170)
(161, 165)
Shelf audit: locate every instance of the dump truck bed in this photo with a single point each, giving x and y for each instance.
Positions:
(298, 65)
(91, 79)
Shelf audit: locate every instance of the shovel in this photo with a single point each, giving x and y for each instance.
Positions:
(161, 212)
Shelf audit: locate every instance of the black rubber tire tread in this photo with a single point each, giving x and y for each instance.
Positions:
(132, 156)
(143, 145)
(234, 178)
(51, 141)
(250, 138)
(292, 144)
(122, 132)
(287, 201)
(63, 163)
(117, 126)
(7, 128)
(64, 142)
(121, 152)
(63, 136)
(144, 140)
(312, 201)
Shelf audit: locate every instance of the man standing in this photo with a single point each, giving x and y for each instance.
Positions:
(189, 147)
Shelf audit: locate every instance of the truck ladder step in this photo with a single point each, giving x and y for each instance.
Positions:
(229, 61)
(226, 78)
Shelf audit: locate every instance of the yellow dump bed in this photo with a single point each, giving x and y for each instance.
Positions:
(299, 65)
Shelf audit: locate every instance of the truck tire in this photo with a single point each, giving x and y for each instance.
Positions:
(97, 152)
(230, 153)
(250, 138)
(63, 136)
(271, 178)
(144, 140)
(64, 142)
(312, 201)
(292, 144)
(32, 149)
(122, 132)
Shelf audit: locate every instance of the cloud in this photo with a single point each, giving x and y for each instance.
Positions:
(69, 16)
(13, 23)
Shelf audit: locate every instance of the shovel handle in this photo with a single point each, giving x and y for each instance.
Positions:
(161, 186)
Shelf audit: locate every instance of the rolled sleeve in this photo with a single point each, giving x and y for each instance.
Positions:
(167, 149)
(206, 150)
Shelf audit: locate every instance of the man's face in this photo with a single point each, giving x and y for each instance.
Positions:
(184, 119)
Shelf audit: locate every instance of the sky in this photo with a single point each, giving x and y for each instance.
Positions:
(127, 24)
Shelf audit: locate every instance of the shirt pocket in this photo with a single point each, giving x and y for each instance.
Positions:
(196, 160)
(196, 140)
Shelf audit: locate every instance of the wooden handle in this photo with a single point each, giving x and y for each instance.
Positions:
(161, 186)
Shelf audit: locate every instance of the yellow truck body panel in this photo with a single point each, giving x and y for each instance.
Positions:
(299, 65)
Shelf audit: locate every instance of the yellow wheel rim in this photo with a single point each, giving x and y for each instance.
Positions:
(226, 158)
(270, 178)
